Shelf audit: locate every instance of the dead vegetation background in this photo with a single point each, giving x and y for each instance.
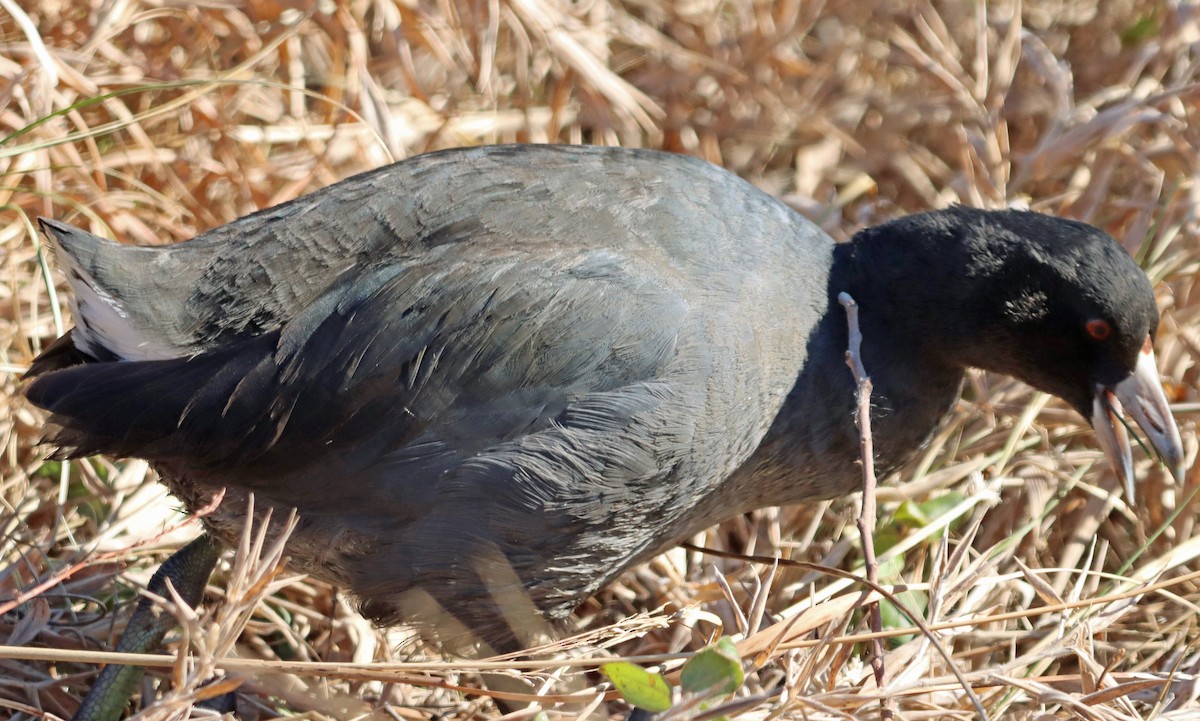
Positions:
(152, 120)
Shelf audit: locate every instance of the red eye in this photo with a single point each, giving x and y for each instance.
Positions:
(1099, 329)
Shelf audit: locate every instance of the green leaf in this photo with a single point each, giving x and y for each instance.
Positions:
(888, 535)
(935, 507)
(910, 514)
(890, 570)
(49, 469)
(1145, 28)
(717, 670)
(922, 514)
(638, 686)
(891, 616)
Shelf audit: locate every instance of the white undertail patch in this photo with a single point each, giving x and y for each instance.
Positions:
(102, 326)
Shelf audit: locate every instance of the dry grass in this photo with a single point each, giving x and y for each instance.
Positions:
(153, 121)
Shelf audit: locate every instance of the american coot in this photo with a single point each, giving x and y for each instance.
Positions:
(500, 376)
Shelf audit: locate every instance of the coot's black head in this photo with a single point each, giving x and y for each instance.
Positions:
(1056, 303)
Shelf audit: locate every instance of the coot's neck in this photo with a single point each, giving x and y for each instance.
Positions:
(812, 448)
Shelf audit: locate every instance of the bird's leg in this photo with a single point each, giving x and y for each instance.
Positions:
(188, 570)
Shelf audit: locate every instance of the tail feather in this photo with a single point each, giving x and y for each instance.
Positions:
(158, 409)
(60, 354)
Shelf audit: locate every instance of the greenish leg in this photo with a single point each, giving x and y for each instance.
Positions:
(188, 570)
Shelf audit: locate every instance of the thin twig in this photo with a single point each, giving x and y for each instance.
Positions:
(866, 519)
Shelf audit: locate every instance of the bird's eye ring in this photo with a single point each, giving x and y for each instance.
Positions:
(1098, 329)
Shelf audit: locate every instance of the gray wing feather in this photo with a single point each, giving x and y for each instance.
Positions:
(395, 368)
